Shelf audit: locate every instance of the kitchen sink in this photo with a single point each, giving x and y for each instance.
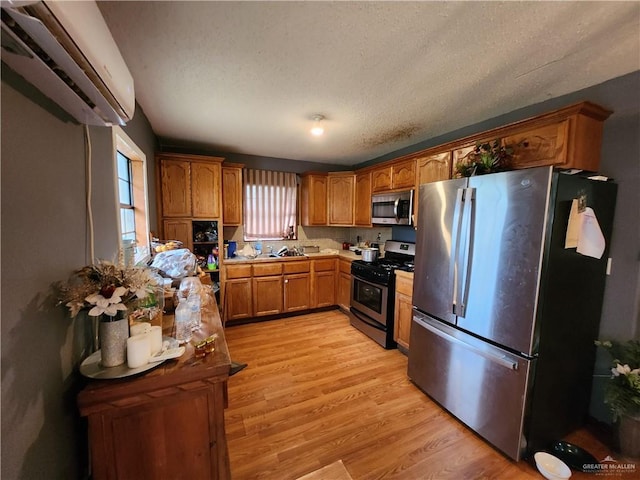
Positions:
(289, 253)
(292, 253)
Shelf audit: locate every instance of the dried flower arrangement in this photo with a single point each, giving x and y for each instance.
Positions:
(486, 157)
(106, 289)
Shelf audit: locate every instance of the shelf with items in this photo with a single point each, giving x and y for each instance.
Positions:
(205, 244)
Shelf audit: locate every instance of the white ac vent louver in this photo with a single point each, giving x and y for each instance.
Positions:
(66, 50)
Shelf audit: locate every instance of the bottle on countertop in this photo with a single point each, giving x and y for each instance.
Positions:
(183, 321)
(195, 304)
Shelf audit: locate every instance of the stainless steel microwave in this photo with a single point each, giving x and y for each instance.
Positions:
(392, 208)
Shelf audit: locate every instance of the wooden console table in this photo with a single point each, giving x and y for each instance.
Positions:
(166, 423)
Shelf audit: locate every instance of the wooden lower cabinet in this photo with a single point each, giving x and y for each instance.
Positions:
(344, 284)
(296, 292)
(403, 308)
(164, 424)
(269, 288)
(324, 282)
(267, 295)
(238, 299)
(297, 286)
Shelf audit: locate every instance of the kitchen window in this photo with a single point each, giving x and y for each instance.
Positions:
(131, 188)
(270, 205)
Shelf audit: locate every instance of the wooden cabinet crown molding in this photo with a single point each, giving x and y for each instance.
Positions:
(188, 157)
(582, 115)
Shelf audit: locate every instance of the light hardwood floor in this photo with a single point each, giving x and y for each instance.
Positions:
(316, 391)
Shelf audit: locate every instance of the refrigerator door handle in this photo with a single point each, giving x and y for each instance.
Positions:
(468, 215)
(454, 266)
(502, 360)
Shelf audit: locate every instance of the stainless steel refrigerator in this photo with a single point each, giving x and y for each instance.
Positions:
(504, 315)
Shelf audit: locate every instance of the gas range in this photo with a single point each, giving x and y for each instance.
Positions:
(398, 256)
(372, 291)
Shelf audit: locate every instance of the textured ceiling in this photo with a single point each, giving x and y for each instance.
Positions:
(247, 77)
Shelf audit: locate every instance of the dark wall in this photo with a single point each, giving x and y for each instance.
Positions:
(44, 238)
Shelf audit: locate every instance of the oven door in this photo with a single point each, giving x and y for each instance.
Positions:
(370, 299)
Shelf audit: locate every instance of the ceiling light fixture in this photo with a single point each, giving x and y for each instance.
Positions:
(317, 128)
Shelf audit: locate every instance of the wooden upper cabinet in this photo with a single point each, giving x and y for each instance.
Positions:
(178, 229)
(381, 179)
(462, 152)
(176, 188)
(232, 194)
(433, 168)
(190, 185)
(362, 208)
(340, 194)
(403, 174)
(313, 202)
(545, 145)
(205, 190)
(394, 176)
(569, 137)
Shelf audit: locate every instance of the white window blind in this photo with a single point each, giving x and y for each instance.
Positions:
(269, 204)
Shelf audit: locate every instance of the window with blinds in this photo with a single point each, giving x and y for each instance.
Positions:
(270, 204)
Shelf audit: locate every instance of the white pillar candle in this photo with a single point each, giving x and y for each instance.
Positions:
(138, 328)
(138, 350)
(155, 338)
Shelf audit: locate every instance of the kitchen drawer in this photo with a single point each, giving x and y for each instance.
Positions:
(265, 269)
(324, 265)
(238, 271)
(345, 266)
(296, 267)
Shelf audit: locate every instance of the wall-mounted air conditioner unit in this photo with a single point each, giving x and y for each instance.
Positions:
(66, 50)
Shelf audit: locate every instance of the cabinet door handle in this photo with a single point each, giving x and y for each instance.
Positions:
(286, 281)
